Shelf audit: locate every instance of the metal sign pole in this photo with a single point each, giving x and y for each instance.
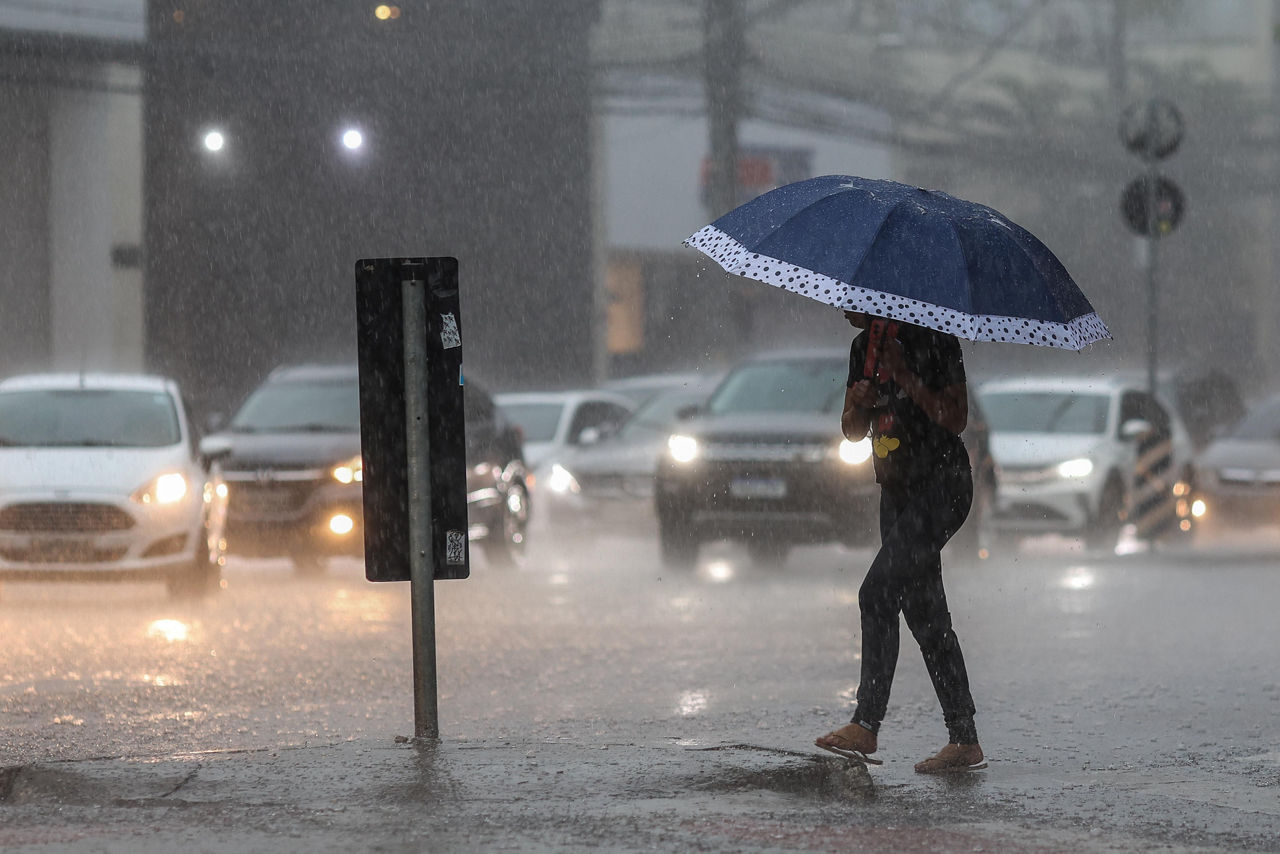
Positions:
(1153, 241)
(426, 720)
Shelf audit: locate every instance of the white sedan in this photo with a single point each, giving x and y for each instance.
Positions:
(554, 422)
(100, 480)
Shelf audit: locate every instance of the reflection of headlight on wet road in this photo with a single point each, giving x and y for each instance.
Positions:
(1077, 578)
(1080, 467)
(561, 481)
(855, 453)
(683, 449)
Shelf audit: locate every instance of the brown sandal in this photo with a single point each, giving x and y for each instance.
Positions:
(954, 758)
(852, 741)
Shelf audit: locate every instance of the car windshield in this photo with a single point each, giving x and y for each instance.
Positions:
(653, 420)
(1262, 423)
(791, 385)
(88, 418)
(538, 421)
(1045, 412)
(301, 406)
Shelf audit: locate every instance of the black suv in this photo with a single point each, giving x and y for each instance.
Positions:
(763, 462)
(291, 460)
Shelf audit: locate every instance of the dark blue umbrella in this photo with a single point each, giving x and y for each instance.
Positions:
(905, 253)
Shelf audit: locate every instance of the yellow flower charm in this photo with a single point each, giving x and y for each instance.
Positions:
(884, 444)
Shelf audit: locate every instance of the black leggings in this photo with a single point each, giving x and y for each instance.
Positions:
(906, 578)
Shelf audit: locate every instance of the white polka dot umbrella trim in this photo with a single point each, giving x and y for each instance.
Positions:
(737, 259)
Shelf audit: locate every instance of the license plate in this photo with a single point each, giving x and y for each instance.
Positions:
(267, 499)
(758, 488)
(640, 486)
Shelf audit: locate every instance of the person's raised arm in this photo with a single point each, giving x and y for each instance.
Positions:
(855, 420)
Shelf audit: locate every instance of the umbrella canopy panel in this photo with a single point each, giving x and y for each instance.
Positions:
(903, 252)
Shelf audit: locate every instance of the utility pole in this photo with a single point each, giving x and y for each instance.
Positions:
(1118, 71)
(724, 50)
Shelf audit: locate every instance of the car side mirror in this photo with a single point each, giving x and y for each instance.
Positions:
(214, 449)
(684, 413)
(1135, 427)
(215, 422)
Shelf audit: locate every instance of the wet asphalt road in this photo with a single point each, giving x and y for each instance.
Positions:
(1120, 698)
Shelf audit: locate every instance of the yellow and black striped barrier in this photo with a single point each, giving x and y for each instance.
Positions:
(1159, 502)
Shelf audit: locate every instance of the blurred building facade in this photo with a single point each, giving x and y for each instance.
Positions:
(70, 186)
(474, 141)
(563, 149)
(1013, 104)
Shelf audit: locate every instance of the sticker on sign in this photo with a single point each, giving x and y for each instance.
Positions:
(449, 336)
(455, 548)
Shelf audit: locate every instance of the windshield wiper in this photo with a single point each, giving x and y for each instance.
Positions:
(82, 443)
(92, 443)
(307, 428)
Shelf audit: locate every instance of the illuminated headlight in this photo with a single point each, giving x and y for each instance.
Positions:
(166, 489)
(560, 480)
(683, 449)
(855, 453)
(341, 524)
(351, 471)
(1080, 467)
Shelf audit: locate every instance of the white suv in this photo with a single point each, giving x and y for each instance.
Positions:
(1067, 449)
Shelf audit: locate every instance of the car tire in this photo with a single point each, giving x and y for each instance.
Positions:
(309, 564)
(507, 541)
(202, 578)
(768, 552)
(677, 543)
(1005, 543)
(1104, 529)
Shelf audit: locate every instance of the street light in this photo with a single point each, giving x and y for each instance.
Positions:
(214, 141)
(352, 139)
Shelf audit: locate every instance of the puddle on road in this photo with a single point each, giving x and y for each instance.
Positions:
(798, 774)
(41, 784)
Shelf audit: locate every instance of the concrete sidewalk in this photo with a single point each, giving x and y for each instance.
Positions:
(558, 795)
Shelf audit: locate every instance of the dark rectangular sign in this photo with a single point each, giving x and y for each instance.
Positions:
(380, 329)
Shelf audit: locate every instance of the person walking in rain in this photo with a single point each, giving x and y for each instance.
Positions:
(907, 388)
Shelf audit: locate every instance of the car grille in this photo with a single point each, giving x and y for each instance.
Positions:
(1012, 475)
(1031, 513)
(761, 452)
(68, 551)
(64, 517)
(630, 484)
(248, 498)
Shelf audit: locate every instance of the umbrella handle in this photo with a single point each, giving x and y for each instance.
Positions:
(875, 335)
